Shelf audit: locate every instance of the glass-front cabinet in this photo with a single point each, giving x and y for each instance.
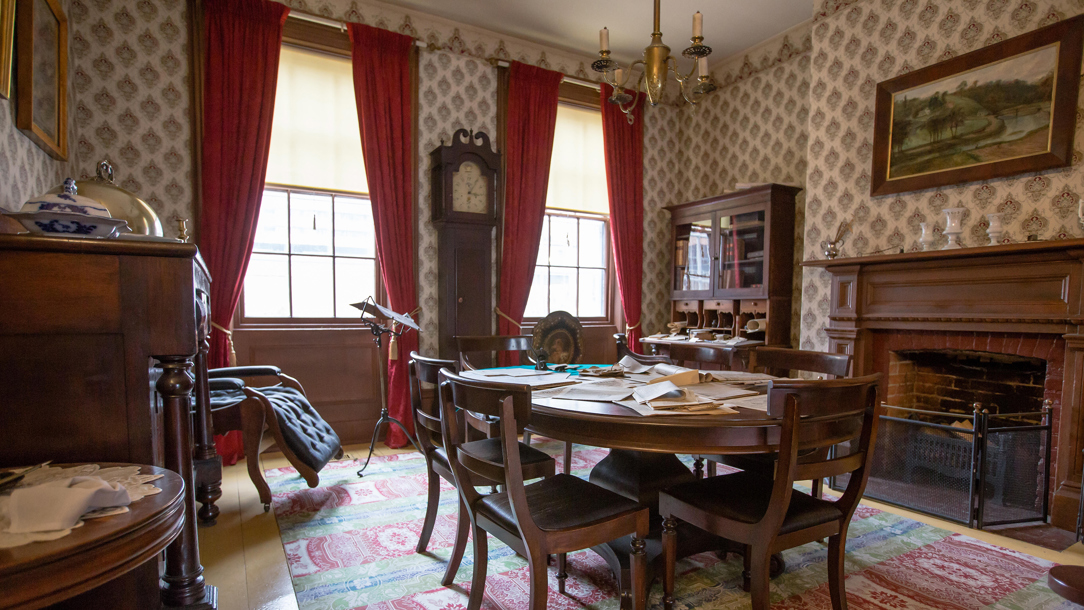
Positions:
(733, 261)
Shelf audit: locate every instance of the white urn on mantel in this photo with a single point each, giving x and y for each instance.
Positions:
(994, 230)
(953, 227)
(928, 236)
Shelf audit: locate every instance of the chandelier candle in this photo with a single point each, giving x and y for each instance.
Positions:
(655, 67)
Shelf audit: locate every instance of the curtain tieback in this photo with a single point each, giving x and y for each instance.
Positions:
(507, 317)
(629, 329)
(229, 341)
(393, 347)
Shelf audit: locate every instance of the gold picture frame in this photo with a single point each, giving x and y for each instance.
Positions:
(7, 45)
(41, 104)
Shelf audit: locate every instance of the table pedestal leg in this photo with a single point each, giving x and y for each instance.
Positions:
(182, 584)
(640, 476)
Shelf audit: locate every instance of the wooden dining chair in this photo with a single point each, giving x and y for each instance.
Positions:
(623, 350)
(480, 352)
(769, 516)
(491, 346)
(556, 515)
(780, 361)
(429, 435)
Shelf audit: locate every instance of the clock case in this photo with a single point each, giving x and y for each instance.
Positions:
(445, 161)
(464, 243)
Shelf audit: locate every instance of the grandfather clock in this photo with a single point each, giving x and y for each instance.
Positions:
(464, 198)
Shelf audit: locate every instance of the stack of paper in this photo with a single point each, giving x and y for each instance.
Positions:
(535, 379)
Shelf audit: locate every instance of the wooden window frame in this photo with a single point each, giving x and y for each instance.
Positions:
(612, 298)
(245, 323)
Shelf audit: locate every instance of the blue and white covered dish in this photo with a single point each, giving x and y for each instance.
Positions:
(68, 214)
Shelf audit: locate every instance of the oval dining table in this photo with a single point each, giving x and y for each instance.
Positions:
(643, 461)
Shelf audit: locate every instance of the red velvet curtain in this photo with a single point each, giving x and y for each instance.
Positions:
(531, 116)
(624, 144)
(382, 66)
(243, 38)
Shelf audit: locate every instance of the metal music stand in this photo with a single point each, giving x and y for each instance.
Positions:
(378, 316)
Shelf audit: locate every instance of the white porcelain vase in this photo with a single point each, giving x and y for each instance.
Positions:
(953, 227)
(928, 236)
(995, 229)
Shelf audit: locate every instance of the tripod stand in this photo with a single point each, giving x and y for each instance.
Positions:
(379, 331)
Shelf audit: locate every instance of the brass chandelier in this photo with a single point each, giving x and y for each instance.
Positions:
(656, 65)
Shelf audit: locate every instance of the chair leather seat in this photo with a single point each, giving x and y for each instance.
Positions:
(489, 450)
(559, 502)
(744, 497)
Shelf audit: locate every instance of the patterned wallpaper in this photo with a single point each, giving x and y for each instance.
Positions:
(859, 43)
(129, 71)
(454, 92)
(25, 169)
(662, 186)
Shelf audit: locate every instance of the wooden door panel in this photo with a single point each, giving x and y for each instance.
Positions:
(337, 367)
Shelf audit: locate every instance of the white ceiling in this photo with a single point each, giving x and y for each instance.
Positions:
(730, 26)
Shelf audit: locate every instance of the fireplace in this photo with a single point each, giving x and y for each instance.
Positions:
(1000, 325)
(964, 435)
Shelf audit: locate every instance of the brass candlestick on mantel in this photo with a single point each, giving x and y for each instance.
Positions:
(656, 64)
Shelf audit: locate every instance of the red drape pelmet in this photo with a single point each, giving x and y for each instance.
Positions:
(382, 88)
(243, 38)
(531, 116)
(624, 145)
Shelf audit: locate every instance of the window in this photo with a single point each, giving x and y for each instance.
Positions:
(573, 269)
(315, 248)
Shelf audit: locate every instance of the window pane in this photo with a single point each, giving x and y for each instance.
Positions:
(310, 224)
(272, 234)
(355, 279)
(312, 287)
(577, 178)
(355, 234)
(592, 243)
(563, 241)
(538, 301)
(544, 243)
(563, 290)
(267, 286)
(315, 139)
(592, 293)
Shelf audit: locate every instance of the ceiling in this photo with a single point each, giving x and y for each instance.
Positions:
(730, 26)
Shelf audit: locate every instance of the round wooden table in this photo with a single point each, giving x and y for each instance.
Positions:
(43, 573)
(642, 461)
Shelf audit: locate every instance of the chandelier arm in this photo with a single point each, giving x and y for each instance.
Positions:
(673, 65)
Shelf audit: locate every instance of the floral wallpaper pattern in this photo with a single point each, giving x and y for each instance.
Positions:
(129, 73)
(859, 43)
(454, 92)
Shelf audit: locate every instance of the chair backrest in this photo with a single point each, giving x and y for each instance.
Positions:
(817, 414)
(512, 404)
(701, 354)
(482, 349)
(426, 417)
(623, 350)
(781, 361)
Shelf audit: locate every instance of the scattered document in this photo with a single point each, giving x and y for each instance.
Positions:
(740, 376)
(719, 391)
(603, 390)
(546, 379)
(704, 409)
(654, 391)
(678, 375)
(511, 372)
(756, 403)
(630, 365)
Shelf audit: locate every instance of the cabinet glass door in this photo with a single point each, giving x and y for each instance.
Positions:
(692, 256)
(741, 251)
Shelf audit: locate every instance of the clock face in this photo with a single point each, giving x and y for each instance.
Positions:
(470, 189)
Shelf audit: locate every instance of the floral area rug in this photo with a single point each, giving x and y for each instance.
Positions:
(350, 544)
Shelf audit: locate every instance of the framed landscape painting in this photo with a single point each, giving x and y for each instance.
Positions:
(1001, 110)
(41, 104)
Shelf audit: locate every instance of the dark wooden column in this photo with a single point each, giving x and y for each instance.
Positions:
(182, 584)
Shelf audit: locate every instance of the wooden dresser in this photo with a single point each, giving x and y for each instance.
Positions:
(96, 345)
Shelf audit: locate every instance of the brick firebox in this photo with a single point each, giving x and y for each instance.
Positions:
(1020, 299)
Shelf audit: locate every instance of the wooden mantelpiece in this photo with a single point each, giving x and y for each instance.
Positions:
(1017, 298)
